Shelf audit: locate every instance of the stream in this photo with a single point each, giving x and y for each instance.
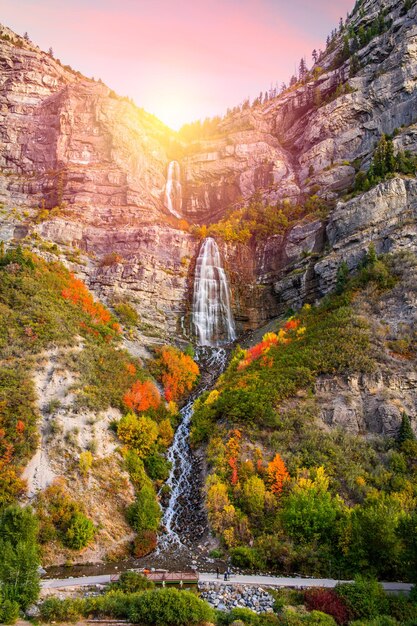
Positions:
(185, 541)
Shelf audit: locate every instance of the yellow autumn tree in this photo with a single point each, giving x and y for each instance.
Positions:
(138, 433)
(166, 432)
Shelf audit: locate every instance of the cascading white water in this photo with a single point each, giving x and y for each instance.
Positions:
(213, 325)
(212, 314)
(173, 190)
(182, 475)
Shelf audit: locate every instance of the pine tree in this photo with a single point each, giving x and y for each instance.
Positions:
(342, 277)
(51, 52)
(314, 56)
(26, 36)
(379, 161)
(354, 65)
(406, 432)
(389, 156)
(302, 69)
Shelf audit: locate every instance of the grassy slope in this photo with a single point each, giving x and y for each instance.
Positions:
(318, 523)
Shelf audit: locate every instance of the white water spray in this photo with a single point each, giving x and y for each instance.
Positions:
(212, 314)
(213, 325)
(181, 457)
(173, 190)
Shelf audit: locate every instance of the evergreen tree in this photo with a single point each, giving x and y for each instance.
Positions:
(342, 277)
(406, 432)
(51, 52)
(19, 579)
(302, 69)
(354, 65)
(314, 56)
(371, 256)
(26, 36)
(390, 157)
(379, 166)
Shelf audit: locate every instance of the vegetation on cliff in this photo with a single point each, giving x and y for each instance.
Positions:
(304, 497)
(386, 163)
(44, 306)
(259, 220)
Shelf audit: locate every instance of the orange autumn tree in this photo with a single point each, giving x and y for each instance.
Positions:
(290, 331)
(277, 474)
(78, 293)
(232, 452)
(142, 396)
(177, 372)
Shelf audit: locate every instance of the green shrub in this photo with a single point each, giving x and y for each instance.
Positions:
(382, 620)
(9, 610)
(126, 314)
(80, 532)
(402, 608)
(136, 470)
(169, 607)
(243, 615)
(364, 598)
(131, 582)
(114, 604)
(246, 558)
(55, 610)
(315, 618)
(157, 467)
(145, 512)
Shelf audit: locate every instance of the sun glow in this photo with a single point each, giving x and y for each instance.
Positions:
(174, 110)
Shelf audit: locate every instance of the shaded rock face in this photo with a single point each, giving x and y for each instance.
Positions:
(70, 142)
(368, 404)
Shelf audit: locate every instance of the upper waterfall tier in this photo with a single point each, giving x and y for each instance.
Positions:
(173, 190)
(212, 315)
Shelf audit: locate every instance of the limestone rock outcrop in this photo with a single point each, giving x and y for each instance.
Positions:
(84, 168)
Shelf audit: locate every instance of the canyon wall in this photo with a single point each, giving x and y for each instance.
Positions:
(86, 169)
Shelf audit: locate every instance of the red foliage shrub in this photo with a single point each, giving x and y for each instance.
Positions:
(233, 464)
(20, 427)
(77, 293)
(142, 396)
(327, 601)
(292, 324)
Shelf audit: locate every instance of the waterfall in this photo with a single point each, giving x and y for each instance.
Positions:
(213, 322)
(212, 315)
(185, 509)
(173, 191)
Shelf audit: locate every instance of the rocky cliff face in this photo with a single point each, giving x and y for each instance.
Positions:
(69, 142)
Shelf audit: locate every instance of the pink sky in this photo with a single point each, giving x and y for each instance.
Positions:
(179, 59)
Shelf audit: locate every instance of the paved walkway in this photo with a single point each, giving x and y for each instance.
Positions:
(263, 581)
